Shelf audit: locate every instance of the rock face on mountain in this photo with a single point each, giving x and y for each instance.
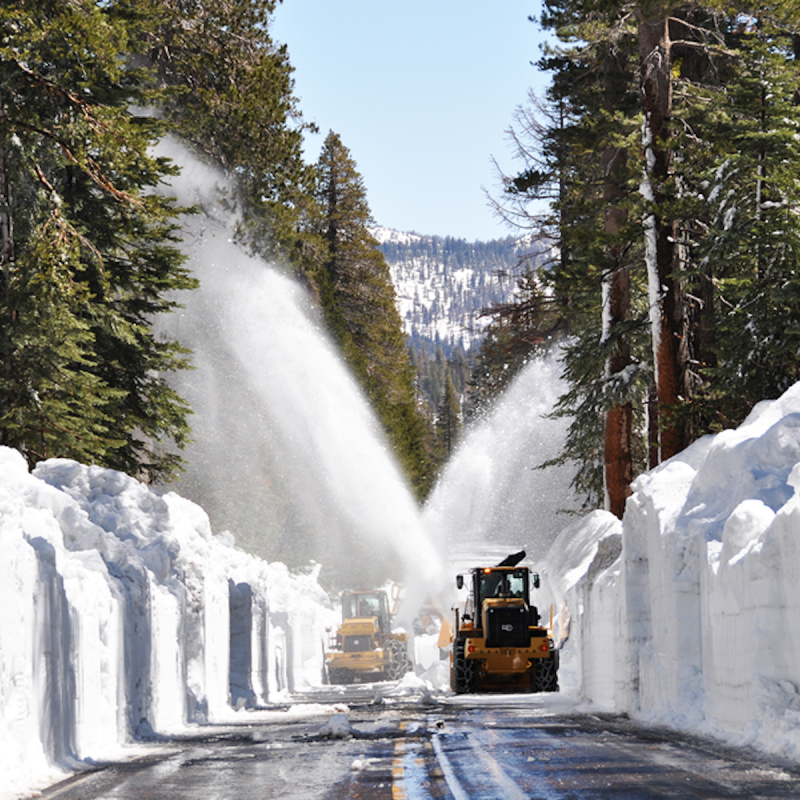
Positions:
(443, 284)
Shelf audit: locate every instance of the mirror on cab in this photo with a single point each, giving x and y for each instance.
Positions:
(460, 581)
(535, 579)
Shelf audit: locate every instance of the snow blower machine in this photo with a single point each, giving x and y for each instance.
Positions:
(498, 644)
(364, 647)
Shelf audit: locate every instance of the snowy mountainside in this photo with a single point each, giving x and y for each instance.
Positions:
(443, 283)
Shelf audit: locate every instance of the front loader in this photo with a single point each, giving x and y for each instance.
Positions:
(498, 644)
(364, 647)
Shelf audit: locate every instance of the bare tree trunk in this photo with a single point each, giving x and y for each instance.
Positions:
(652, 428)
(662, 255)
(618, 462)
(691, 34)
(618, 459)
(6, 245)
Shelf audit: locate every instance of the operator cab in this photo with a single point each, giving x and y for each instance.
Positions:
(500, 596)
(366, 604)
(502, 583)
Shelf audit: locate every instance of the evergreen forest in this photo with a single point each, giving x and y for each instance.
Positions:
(90, 251)
(664, 153)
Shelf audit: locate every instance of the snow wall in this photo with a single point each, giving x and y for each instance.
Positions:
(687, 612)
(122, 617)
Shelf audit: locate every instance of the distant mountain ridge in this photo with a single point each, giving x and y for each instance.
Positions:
(443, 283)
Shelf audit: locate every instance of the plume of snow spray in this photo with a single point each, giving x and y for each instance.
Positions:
(492, 498)
(288, 454)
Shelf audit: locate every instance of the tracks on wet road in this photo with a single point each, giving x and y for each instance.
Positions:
(526, 747)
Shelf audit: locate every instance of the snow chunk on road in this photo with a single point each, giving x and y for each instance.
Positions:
(337, 727)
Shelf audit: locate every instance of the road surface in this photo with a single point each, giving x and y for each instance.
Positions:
(361, 745)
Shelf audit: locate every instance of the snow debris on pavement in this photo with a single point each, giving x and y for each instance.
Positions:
(337, 727)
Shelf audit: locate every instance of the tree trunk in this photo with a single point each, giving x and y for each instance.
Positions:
(618, 463)
(6, 248)
(662, 255)
(696, 349)
(618, 460)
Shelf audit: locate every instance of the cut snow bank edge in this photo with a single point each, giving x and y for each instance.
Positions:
(685, 613)
(122, 617)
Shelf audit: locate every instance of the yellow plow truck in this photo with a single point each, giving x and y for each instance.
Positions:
(364, 647)
(497, 642)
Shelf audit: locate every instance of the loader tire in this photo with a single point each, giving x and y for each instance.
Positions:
(544, 677)
(465, 670)
(398, 660)
(340, 676)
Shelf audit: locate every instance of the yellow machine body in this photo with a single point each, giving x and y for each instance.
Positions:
(364, 647)
(497, 642)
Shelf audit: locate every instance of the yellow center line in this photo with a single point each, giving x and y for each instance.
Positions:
(398, 772)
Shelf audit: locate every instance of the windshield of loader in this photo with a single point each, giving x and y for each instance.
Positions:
(503, 583)
(366, 604)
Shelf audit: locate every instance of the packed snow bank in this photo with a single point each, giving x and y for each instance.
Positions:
(686, 612)
(122, 617)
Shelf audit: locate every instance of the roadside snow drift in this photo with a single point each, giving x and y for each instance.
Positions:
(687, 612)
(122, 617)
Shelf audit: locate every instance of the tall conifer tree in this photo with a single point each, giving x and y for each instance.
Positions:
(448, 420)
(359, 303)
(87, 248)
(235, 104)
(586, 130)
(717, 106)
(753, 237)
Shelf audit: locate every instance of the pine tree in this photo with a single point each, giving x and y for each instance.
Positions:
(234, 103)
(667, 34)
(359, 303)
(616, 67)
(527, 325)
(87, 248)
(575, 150)
(448, 420)
(753, 238)
(708, 217)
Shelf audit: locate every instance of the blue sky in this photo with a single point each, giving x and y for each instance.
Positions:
(421, 93)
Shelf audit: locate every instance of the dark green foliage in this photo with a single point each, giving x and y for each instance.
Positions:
(528, 325)
(724, 205)
(234, 103)
(87, 251)
(448, 421)
(571, 144)
(52, 403)
(433, 368)
(752, 246)
(359, 304)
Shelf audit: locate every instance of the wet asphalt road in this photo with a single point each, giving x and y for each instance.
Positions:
(531, 747)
